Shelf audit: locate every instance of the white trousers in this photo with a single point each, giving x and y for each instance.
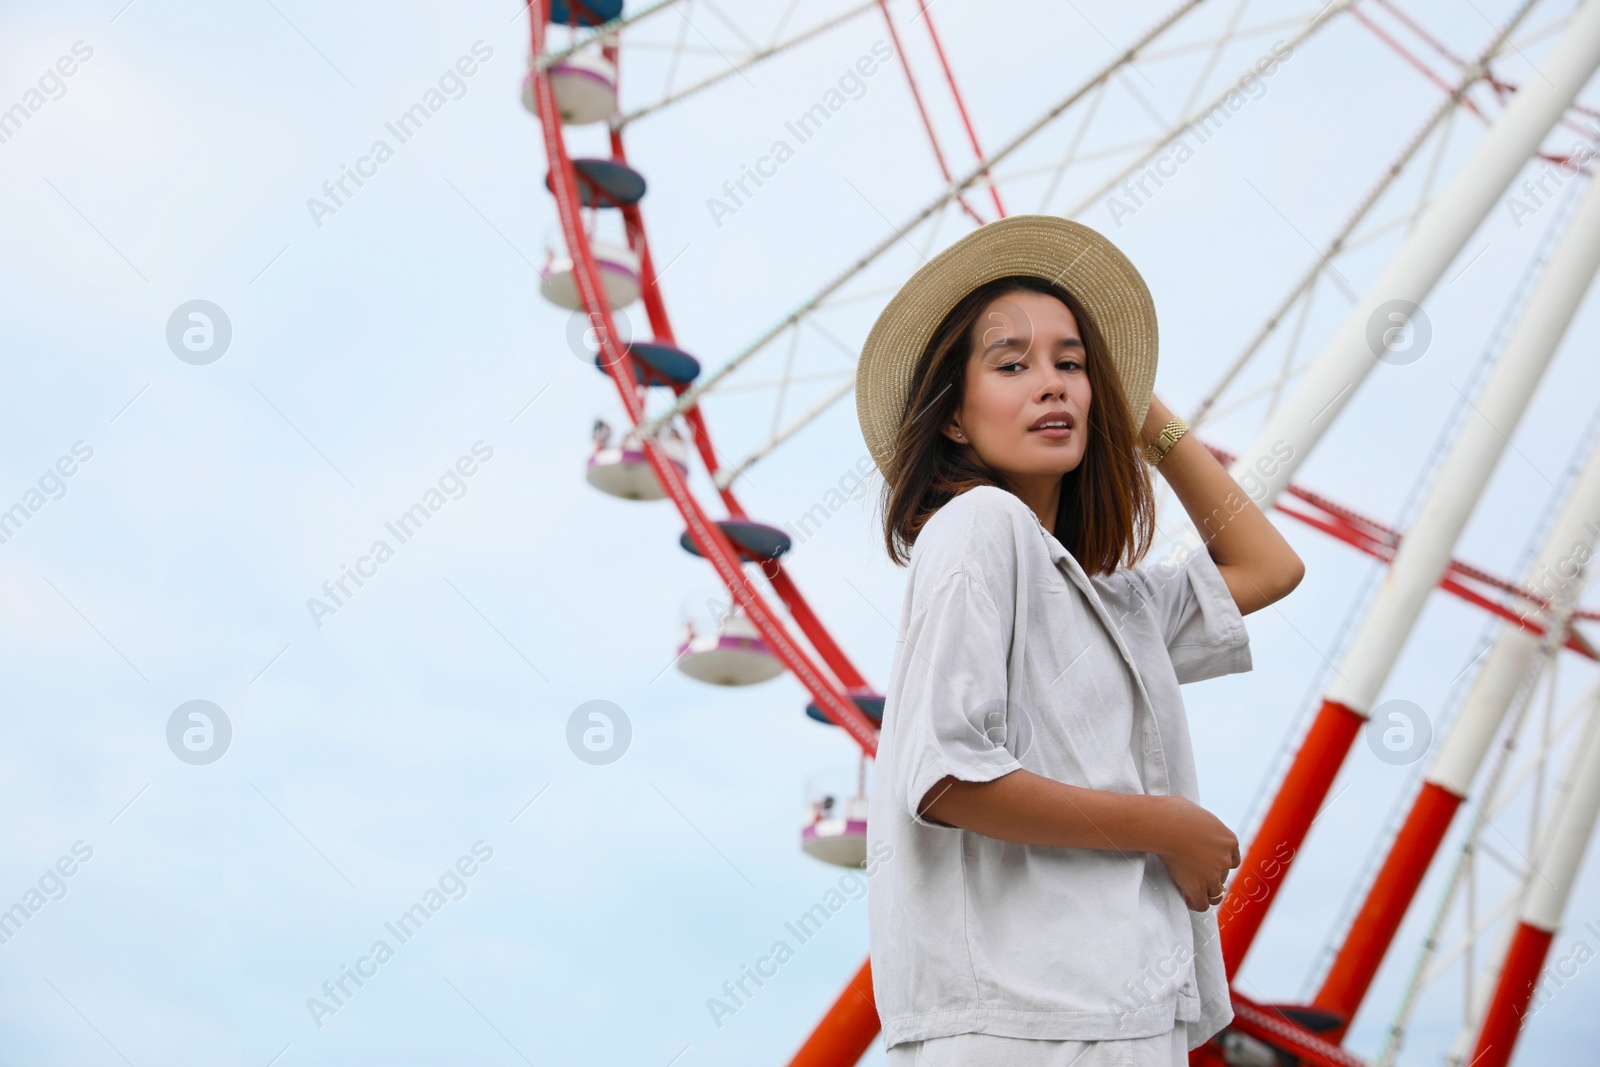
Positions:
(1170, 1049)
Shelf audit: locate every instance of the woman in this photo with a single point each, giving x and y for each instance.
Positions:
(1048, 894)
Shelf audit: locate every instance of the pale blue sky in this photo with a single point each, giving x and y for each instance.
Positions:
(427, 716)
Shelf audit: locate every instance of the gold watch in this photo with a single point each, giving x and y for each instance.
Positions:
(1170, 433)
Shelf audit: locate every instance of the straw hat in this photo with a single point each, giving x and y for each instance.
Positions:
(1079, 259)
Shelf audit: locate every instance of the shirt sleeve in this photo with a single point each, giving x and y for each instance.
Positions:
(1195, 612)
(952, 716)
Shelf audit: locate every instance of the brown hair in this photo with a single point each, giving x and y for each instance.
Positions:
(1107, 510)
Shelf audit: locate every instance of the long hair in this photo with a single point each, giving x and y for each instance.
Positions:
(1107, 512)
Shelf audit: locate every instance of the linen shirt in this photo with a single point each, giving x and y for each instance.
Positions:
(1012, 657)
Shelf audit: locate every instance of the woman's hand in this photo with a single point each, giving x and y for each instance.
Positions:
(1201, 852)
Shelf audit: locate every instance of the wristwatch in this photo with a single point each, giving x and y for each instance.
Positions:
(1170, 433)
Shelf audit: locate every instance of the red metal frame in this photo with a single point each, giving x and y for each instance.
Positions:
(916, 97)
(707, 536)
(1266, 1023)
(961, 105)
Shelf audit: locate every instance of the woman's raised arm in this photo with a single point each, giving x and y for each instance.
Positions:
(1252, 556)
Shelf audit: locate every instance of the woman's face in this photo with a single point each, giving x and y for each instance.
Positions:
(1025, 367)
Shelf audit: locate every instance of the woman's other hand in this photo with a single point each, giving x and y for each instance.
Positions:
(1200, 851)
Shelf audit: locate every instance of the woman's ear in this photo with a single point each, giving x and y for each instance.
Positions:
(955, 433)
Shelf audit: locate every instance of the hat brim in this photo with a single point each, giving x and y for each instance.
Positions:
(1076, 257)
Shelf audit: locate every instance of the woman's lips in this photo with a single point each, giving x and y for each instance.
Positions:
(1055, 433)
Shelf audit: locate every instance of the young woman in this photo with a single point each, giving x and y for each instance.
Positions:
(1047, 874)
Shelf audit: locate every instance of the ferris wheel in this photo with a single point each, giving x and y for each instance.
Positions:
(1506, 729)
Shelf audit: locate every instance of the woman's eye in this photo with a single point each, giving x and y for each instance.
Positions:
(1071, 363)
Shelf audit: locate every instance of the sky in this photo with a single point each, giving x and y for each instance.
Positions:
(192, 500)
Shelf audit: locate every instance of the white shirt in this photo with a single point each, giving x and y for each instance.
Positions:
(1011, 657)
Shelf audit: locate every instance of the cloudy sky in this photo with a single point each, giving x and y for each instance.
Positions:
(189, 505)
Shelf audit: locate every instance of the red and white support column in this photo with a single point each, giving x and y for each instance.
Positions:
(1558, 854)
(1465, 747)
(1421, 560)
(1417, 565)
